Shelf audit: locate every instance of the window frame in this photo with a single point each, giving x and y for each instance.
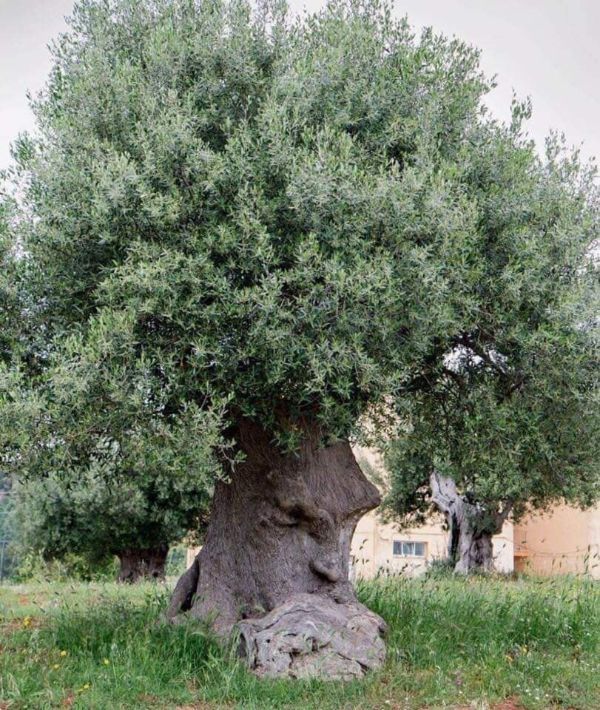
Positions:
(406, 545)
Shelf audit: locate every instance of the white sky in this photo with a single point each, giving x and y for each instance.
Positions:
(547, 49)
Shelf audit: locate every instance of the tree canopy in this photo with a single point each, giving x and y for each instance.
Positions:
(9, 298)
(496, 437)
(102, 467)
(510, 413)
(512, 442)
(273, 216)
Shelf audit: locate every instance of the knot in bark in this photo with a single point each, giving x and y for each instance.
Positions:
(311, 636)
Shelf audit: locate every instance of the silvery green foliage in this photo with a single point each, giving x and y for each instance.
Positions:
(276, 210)
(101, 465)
(9, 300)
(511, 412)
(231, 214)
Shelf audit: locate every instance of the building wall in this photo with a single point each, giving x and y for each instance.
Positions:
(373, 547)
(373, 543)
(564, 541)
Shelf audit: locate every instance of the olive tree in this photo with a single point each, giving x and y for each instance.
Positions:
(482, 448)
(283, 218)
(10, 301)
(100, 466)
(84, 515)
(507, 420)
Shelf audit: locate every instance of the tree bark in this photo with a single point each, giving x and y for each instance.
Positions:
(471, 526)
(147, 564)
(476, 552)
(281, 527)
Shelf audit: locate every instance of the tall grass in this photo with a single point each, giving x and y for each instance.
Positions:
(478, 618)
(450, 642)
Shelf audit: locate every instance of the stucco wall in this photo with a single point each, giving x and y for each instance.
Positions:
(373, 547)
(565, 541)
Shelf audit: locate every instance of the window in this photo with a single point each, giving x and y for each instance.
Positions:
(409, 549)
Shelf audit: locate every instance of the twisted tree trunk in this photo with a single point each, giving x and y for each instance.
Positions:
(137, 565)
(476, 550)
(471, 526)
(280, 534)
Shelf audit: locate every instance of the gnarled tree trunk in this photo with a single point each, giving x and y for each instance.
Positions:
(137, 565)
(471, 526)
(277, 548)
(475, 550)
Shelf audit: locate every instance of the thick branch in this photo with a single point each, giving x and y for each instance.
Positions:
(444, 492)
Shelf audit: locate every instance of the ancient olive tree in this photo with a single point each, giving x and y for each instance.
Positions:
(279, 217)
(507, 420)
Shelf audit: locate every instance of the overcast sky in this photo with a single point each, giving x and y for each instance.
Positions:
(547, 49)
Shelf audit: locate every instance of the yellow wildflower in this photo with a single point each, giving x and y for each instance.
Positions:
(64, 653)
(106, 662)
(27, 621)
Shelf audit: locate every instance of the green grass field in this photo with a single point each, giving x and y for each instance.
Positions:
(457, 643)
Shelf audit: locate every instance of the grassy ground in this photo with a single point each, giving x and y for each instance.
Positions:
(452, 643)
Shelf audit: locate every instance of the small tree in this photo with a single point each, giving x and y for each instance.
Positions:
(480, 454)
(103, 468)
(59, 518)
(100, 467)
(10, 300)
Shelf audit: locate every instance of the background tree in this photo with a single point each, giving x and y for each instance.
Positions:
(102, 467)
(13, 339)
(11, 333)
(59, 519)
(7, 296)
(480, 456)
(99, 467)
(507, 421)
(6, 527)
(278, 219)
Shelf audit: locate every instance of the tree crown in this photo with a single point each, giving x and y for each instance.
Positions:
(281, 220)
(271, 207)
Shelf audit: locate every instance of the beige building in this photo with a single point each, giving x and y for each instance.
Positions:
(383, 548)
(565, 541)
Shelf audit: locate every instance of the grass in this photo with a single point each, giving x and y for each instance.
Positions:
(452, 643)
